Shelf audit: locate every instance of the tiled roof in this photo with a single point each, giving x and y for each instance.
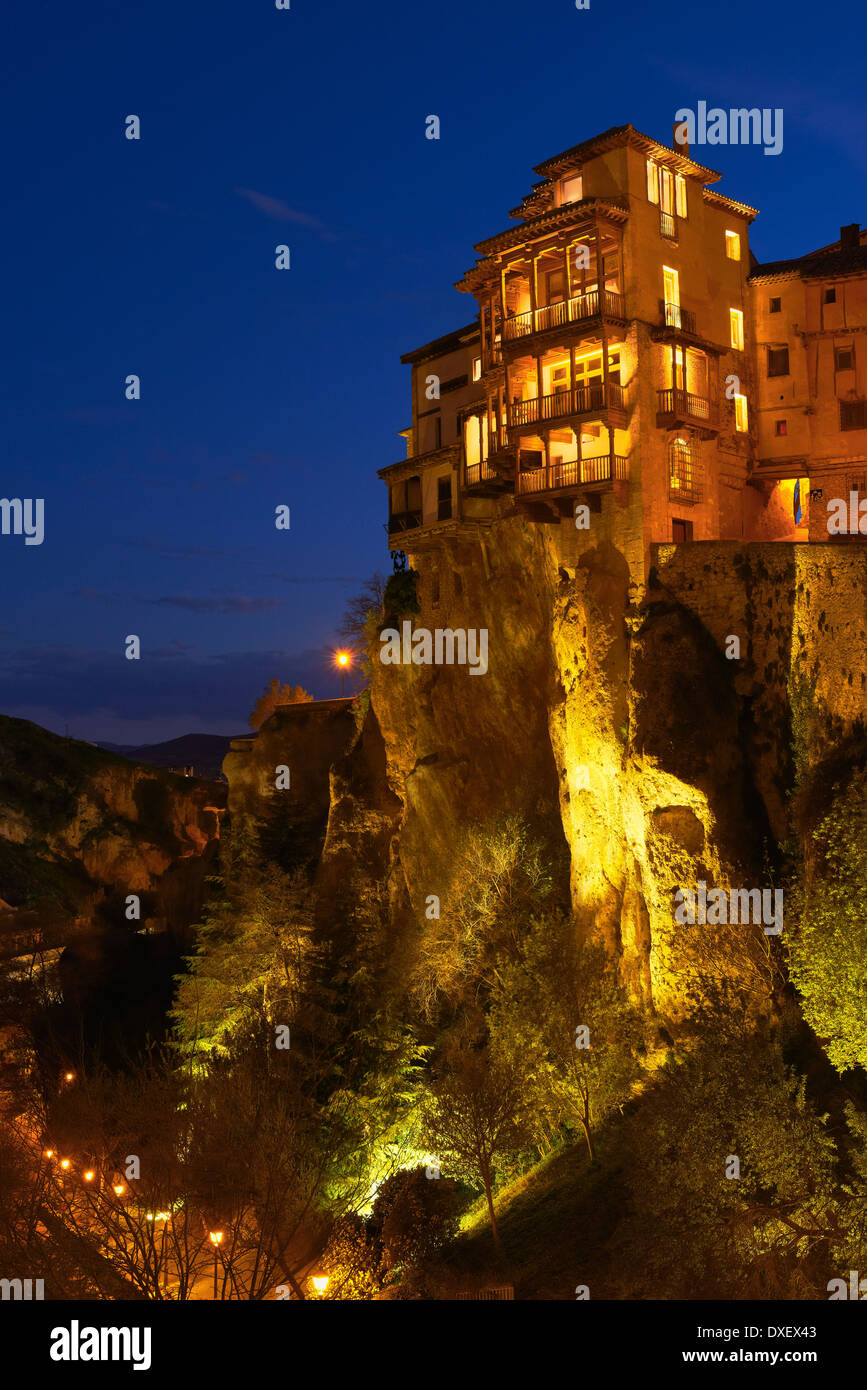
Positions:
(823, 265)
(450, 342)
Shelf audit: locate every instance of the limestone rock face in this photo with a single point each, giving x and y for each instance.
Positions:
(81, 827)
(612, 714)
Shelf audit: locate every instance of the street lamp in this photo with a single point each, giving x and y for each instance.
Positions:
(64, 1163)
(320, 1283)
(69, 1076)
(342, 661)
(119, 1189)
(216, 1239)
(89, 1175)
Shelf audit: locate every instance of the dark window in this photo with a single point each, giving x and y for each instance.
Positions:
(680, 530)
(780, 427)
(530, 459)
(778, 361)
(853, 415)
(459, 583)
(844, 359)
(774, 306)
(831, 295)
(435, 587)
(444, 498)
(438, 432)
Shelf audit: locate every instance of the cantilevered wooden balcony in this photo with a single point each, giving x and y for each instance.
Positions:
(577, 401)
(677, 407)
(403, 521)
(581, 309)
(553, 477)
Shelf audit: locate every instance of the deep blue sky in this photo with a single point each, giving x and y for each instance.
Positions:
(262, 387)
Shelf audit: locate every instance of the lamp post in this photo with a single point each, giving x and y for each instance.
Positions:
(216, 1238)
(320, 1284)
(343, 661)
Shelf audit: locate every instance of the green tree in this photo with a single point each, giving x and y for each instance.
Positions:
(274, 695)
(474, 1114)
(827, 940)
(560, 1015)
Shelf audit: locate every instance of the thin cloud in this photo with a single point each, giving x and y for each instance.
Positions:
(279, 211)
(220, 603)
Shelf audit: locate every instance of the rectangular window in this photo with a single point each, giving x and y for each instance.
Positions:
(666, 191)
(680, 195)
(733, 246)
(736, 324)
(652, 181)
(780, 427)
(680, 530)
(844, 359)
(444, 498)
(778, 361)
(573, 189)
(831, 295)
(671, 288)
(774, 305)
(741, 423)
(477, 368)
(853, 415)
(556, 286)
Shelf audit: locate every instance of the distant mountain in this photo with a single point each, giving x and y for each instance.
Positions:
(204, 752)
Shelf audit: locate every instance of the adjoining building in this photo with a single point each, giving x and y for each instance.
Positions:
(628, 354)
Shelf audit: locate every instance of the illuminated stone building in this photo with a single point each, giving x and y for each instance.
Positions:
(628, 354)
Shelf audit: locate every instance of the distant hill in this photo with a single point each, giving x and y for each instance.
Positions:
(204, 752)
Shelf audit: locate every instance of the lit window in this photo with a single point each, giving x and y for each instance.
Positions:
(680, 194)
(652, 181)
(733, 246)
(736, 322)
(684, 470)
(741, 413)
(477, 368)
(573, 189)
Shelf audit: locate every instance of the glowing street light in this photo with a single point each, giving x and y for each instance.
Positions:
(89, 1175)
(342, 660)
(119, 1189)
(320, 1283)
(64, 1163)
(49, 1153)
(69, 1076)
(216, 1238)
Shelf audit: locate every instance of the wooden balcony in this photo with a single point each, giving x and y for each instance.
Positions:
(678, 407)
(580, 309)
(667, 226)
(579, 400)
(675, 316)
(403, 521)
(578, 473)
(479, 473)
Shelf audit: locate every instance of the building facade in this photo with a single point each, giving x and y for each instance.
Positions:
(629, 355)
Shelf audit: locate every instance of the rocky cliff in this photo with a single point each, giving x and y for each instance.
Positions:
(617, 716)
(81, 829)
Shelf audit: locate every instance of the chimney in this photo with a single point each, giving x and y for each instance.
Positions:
(680, 132)
(850, 237)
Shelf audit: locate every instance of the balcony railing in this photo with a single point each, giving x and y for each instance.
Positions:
(674, 316)
(576, 473)
(479, 473)
(684, 405)
(667, 226)
(403, 521)
(493, 354)
(580, 400)
(580, 307)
